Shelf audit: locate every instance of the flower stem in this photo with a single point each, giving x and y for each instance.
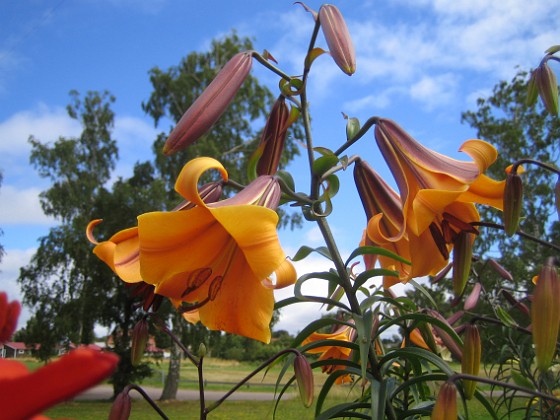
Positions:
(147, 398)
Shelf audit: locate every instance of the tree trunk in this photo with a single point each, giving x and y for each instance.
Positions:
(171, 384)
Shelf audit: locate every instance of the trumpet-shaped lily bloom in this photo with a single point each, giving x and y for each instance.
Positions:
(384, 213)
(213, 260)
(343, 333)
(437, 192)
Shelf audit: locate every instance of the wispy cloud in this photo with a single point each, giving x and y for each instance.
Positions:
(21, 206)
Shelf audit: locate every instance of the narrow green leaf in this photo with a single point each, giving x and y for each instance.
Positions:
(521, 380)
(363, 250)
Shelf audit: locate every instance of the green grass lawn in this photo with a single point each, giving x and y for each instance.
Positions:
(224, 371)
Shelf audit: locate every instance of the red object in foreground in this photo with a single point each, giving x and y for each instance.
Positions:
(24, 394)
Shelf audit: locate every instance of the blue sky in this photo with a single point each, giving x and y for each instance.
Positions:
(419, 62)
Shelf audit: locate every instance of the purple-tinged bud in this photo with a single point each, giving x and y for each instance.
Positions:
(445, 407)
(273, 138)
(515, 303)
(462, 258)
(513, 199)
(120, 410)
(441, 275)
(455, 317)
(9, 314)
(139, 340)
(446, 339)
(471, 358)
(338, 38)
(472, 299)
(545, 315)
(304, 379)
(548, 87)
(500, 270)
(210, 105)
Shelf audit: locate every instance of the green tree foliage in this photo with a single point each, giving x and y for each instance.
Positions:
(520, 131)
(68, 288)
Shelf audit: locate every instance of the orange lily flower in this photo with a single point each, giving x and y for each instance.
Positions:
(437, 192)
(214, 257)
(343, 333)
(384, 213)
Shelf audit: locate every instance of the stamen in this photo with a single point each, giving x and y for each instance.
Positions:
(439, 241)
(196, 279)
(215, 287)
(464, 226)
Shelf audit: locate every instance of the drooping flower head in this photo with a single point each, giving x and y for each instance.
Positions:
(343, 333)
(437, 193)
(215, 259)
(383, 210)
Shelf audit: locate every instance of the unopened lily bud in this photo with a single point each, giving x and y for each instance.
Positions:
(202, 350)
(273, 138)
(9, 314)
(210, 105)
(472, 299)
(139, 341)
(441, 275)
(304, 379)
(471, 358)
(545, 315)
(548, 87)
(515, 303)
(120, 410)
(500, 270)
(446, 403)
(338, 38)
(446, 339)
(532, 89)
(462, 258)
(513, 196)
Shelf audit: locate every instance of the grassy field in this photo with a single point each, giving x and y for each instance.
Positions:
(221, 371)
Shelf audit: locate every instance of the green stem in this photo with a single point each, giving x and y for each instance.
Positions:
(203, 409)
(520, 233)
(217, 403)
(534, 162)
(147, 398)
(339, 265)
(269, 66)
(363, 130)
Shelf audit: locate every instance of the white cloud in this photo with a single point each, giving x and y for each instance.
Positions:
(435, 91)
(44, 123)
(21, 206)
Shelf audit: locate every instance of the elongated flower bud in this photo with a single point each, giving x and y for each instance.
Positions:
(120, 410)
(304, 378)
(462, 258)
(500, 270)
(513, 196)
(210, 105)
(471, 358)
(273, 138)
(338, 38)
(472, 299)
(139, 340)
(446, 403)
(446, 339)
(545, 315)
(515, 303)
(548, 87)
